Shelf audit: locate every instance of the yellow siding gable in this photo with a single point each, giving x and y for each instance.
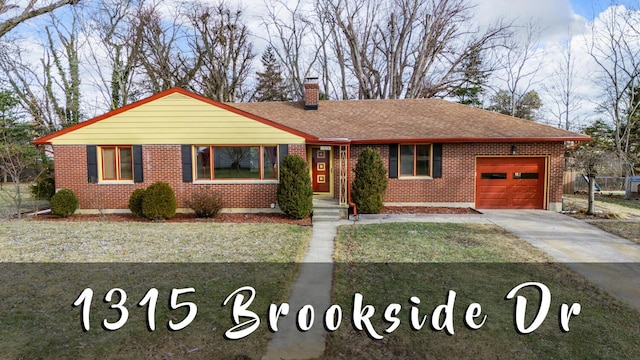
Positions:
(177, 119)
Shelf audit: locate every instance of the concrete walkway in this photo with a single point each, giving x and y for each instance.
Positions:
(312, 287)
(611, 262)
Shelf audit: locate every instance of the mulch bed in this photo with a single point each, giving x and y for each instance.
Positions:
(426, 210)
(252, 218)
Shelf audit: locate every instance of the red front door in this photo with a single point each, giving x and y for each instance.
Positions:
(320, 170)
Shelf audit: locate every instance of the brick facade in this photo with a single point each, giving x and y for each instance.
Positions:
(457, 184)
(160, 163)
(163, 163)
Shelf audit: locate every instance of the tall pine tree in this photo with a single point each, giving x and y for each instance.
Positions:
(473, 80)
(271, 85)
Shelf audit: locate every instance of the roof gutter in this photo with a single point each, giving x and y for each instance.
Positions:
(468, 140)
(329, 141)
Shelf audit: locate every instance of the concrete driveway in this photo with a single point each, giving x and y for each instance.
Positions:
(609, 261)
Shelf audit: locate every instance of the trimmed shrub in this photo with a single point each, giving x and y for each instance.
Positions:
(135, 201)
(370, 185)
(45, 186)
(64, 203)
(205, 204)
(295, 194)
(159, 202)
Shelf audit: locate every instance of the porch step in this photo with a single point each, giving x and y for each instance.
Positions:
(327, 210)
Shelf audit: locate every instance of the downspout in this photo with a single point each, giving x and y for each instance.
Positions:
(44, 149)
(571, 147)
(351, 203)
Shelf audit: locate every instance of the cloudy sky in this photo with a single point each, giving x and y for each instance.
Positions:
(556, 19)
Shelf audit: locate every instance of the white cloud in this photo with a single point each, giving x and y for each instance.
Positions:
(556, 20)
(554, 17)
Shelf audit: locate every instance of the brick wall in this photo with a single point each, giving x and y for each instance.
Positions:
(163, 163)
(160, 163)
(298, 149)
(458, 171)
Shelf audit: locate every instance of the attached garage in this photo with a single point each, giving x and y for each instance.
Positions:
(510, 182)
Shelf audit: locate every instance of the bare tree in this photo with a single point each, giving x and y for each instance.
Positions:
(591, 160)
(614, 46)
(11, 15)
(290, 33)
(17, 161)
(222, 43)
(561, 87)
(50, 92)
(115, 57)
(165, 56)
(67, 65)
(519, 57)
(408, 48)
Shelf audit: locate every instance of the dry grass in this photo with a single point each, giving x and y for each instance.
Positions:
(607, 207)
(57, 260)
(7, 202)
(389, 263)
(625, 229)
(447, 243)
(40, 241)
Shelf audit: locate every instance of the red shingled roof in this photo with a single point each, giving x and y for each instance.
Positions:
(404, 120)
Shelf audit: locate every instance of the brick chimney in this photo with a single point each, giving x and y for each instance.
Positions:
(311, 93)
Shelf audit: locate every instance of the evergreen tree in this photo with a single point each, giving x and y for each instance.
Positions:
(17, 156)
(295, 194)
(12, 131)
(370, 185)
(271, 86)
(526, 105)
(473, 80)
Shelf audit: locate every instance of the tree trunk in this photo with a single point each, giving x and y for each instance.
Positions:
(592, 190)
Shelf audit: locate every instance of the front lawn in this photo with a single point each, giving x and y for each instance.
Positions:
(391, 263)
(619, 200)
(47, 265)
(606, 206)
(85, 241)
(625, 229)
(8, 200)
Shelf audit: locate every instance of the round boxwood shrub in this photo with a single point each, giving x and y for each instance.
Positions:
(135, 201)
(159, 202)
(370, 185)
(295, 194)
(64, 203)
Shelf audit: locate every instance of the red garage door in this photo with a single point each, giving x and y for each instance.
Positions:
(510, 183)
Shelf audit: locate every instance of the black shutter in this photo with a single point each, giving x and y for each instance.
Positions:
(393, 161)
(187, 167)
(283, 149)
(92, 163)
(137, 164)
(437, 160)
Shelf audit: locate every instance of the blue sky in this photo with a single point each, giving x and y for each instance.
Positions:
(589, 8)
(556, 19)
